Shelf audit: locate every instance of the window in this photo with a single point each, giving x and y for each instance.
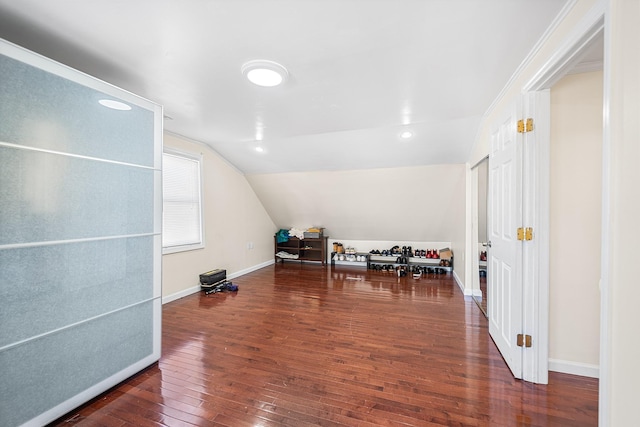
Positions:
(182, 202)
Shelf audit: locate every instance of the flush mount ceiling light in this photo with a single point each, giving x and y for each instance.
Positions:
(265, 73)
(406, 134)
(114, 105)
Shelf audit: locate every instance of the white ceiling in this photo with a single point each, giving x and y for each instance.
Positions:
(361, 71)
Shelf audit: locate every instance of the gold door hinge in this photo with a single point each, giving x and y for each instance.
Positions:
(528, 233)
(525, 233)
(523, 340)
(525, 126)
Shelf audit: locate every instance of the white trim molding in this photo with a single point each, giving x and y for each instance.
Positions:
(570, 52)
(251, 269)
(587, 67)
(466, 292)
(574, 368)
(183, 293)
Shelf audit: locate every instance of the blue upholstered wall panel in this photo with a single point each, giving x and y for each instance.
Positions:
(80, 203)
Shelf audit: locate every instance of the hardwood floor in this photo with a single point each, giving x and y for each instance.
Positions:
(304, 345)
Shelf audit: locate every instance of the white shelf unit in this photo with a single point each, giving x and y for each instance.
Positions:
(350, 260)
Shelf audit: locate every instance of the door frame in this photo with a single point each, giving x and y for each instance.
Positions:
(536, 260)
(535, 95)
(475, 228)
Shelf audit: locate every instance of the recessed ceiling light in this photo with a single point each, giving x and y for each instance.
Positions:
(265, 73)
(114, 105)
(406, 134)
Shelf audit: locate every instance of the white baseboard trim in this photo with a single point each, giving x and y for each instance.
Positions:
(183, 293)
(465, 292)
(574, 368)
(194, 289)
(251, 269)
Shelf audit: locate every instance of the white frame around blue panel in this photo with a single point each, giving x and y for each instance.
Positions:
(13, 51)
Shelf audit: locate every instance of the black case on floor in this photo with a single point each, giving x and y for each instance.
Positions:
(212, 278)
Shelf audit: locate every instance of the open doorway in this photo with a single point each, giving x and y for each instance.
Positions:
(575, 205)
(480, 178)
(563, 188)
(537, 318)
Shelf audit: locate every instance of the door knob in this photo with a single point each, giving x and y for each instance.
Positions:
(487, 244)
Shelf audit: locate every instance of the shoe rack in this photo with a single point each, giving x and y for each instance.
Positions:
(307, 249)
(410, 261)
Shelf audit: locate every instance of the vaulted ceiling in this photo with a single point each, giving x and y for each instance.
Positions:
(360, 71)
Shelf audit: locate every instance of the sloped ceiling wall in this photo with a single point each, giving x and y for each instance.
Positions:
(424, 203)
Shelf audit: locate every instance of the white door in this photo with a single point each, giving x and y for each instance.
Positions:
(504, 277)
(535, 252)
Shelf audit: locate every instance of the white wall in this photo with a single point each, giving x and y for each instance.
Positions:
(233, 218)
(412, 203)
(575, 222)
(622, 171)
(423, 204)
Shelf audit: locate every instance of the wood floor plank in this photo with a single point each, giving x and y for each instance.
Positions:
(304, 345)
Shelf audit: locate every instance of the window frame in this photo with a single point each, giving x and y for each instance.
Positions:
(198, 159)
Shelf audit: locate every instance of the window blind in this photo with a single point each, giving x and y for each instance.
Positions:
(182, 209)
